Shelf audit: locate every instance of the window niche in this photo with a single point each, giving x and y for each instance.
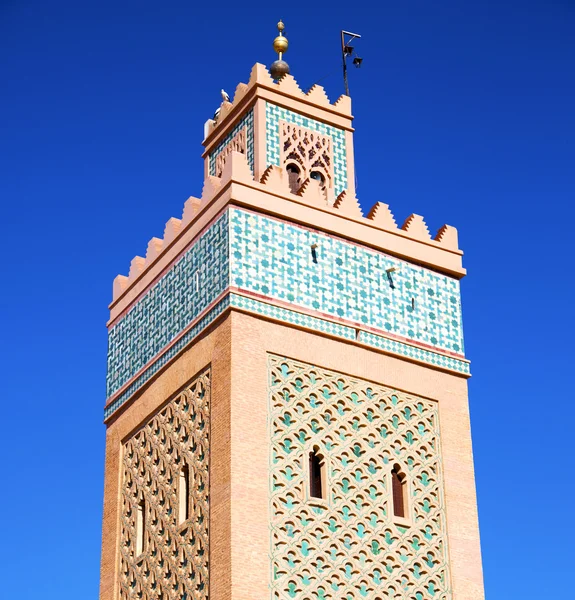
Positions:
(140, 526)
(184, 494)
(294, 177)
(399, 496)
(307, 154)
(317, 477)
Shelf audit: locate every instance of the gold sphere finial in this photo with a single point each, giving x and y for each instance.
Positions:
(280, 68)
(281, 42)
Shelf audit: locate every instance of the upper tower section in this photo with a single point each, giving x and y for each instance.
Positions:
(274, 122)
(278, 231)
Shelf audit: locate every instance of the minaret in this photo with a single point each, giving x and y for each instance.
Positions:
(287, 412)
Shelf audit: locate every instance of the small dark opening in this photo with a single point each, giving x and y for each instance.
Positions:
(318, 177)
(293, 172)
(185, 481)
(314, 253)
(397, 492)
(315, 483)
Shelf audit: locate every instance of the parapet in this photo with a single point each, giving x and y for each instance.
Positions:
(271, 195)
(288, 88)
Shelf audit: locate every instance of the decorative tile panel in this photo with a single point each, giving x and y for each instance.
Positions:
(246, 122)
(350, 546)
(167, 355)
(273, 258)
(271, 261)
(173, 560)
(273, 116)
(188, 288)
(290, 316)
(420, 354)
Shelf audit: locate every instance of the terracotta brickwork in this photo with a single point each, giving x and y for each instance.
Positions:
(164, 550)
(209, 354)
(255, 342)
(350, 543)
(326, 328)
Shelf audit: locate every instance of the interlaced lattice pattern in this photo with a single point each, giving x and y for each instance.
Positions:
(310, 150)
(350, 546)
(237, 144)
(174, 561)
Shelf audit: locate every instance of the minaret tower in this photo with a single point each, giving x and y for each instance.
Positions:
(287, 413)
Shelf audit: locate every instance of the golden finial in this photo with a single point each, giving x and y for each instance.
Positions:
(280, 68)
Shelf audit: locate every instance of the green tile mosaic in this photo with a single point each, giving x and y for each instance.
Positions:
(187, 289)
(275, 113)
(247, 122)
(204, 322)
(290, 316)
(273, 258)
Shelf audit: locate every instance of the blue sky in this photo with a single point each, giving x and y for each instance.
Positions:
(464, 113)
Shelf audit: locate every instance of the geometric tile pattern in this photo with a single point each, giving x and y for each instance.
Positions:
(350, 546)
(173, 563)
(274, 258)
(273, 151)
(409, 351)
(247, 122)
(166, 356)
(289, 316)
(349, 333)
(189, 287)
(335, 289)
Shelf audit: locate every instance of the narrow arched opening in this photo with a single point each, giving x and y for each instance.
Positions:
(294, 177)
(317, 485)
(184, 494)
(399, 495)
(140, 526)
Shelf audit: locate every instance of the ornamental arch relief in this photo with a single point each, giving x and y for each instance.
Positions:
(307, 154)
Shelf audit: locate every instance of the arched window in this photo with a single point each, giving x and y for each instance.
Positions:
(317, 486)
(184, 494)
(398, 486)
(140, 526)
(320, 178)
(294, 180)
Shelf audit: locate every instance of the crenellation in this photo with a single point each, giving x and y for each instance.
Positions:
(381, 215)
(348, 205)
(311, 192)
(171, 231)
(288, 85)
(225, 109)
(447, 235)
(212, 185)
(120, 285)
(236, 169)
(317, 95)
(241, 90)
(416, 227)
(275, 178)
(137, 265)
(320, 350)
(154, 249)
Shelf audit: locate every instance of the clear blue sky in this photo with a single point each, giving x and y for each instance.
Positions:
(464, 113)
